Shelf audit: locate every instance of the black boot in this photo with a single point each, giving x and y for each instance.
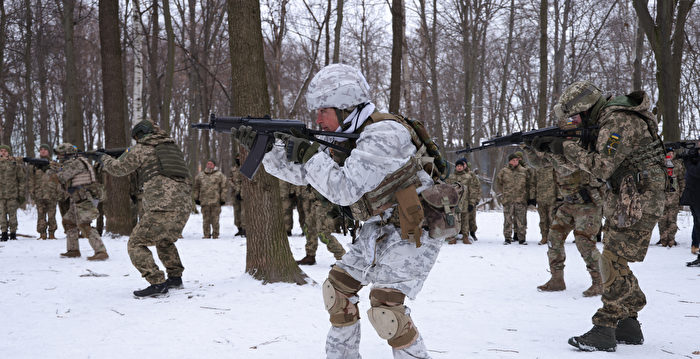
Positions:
(152, 290)
(13, 236)
(4, 237)
(241, 232)
(515, 237)
(174, 282)
(308, 260)
(629, 332)
(473, 234)
(598, 338)
(507, 241)
(695, 263)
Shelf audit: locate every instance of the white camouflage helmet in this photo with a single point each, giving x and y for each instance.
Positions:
(337, 85)
(576, 98)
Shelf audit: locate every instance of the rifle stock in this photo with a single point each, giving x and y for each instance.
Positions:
(520, 137)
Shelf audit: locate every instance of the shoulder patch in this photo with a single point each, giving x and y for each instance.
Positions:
(612, 144)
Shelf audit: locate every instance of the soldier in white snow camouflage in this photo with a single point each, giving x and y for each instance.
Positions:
(396, 267)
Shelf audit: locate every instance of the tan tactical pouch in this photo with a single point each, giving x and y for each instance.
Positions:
(440, 207)
(410, 214)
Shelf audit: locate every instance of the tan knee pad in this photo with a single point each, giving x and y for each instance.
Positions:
(611, 267)
(389, 319)
(337, 290)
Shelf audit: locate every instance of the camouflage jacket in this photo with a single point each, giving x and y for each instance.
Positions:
(160, 193)
(12, 178)
(236, 181)
(210, 187)
(472, 190)
(545, 188)
(78, 179)
(514, 185)
(678, 181)
(41, 187)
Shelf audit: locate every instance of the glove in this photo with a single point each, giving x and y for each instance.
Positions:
(245, 136)
(531, 202)
(541, 143)
(197, 202)
(557, 146)
(221, 203)
(470, 208)
(299, 150)
(528, 141)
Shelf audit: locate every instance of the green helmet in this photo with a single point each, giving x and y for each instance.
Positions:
(6, 147)
(66, 149)
(578, 97)
(519, 154)
(142, 129)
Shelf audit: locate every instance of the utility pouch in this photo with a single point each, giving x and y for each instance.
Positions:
(440, 203)
(628, 209)
(410, 214)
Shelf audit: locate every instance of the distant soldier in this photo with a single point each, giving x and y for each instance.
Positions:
(286, 195)
(236, 199)
(11, 192)
(78, 178)
(476, 185)
(667, 224)
(210, 193)
(165, 183)
(513, 183)
(546, 196)
(320, 226)
(45, 194)
(470, 198)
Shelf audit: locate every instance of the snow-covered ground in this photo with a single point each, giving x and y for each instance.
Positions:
(480, 301)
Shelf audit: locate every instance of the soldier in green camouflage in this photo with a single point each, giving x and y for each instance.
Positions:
(626, 151)
(235, 180)
(167, 202)
(286, 197)
(546, 196)
(78, 179)
(210, 192)
(476, 185)
(319, 226)
(470, 197)
(11, 192)
(667, 224)
(513, 184)
(45, 193)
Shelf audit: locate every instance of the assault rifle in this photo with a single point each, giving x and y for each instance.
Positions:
(684, 149)
(41, 163)
(520, 137)
(265, 127)
(114, 152)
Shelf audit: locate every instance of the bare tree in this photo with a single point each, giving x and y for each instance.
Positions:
(73, 121)
(542, 86)
(268, 256)
(169, 68)
(397, 28)
(337, 30)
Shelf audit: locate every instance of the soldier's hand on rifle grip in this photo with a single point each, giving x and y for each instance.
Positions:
(244, 135)
(557, 145)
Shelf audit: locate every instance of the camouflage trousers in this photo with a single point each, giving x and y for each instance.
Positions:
(287, 209)
(584, 220)
(464, 224)
(46, 216)
(546, 212)
(237, 211)
(210, 219)
(159, 229)
(381, 258)
(8, 215)
(622, 297)
(319, 227)
(514, 220)
(472, 220)
(78, 218)
(667, 223)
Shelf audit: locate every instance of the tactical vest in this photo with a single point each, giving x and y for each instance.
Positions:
(169, 161)
(644, 158)
(86, 177)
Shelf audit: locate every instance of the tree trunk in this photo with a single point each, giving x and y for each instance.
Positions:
(72, 122)
(337, 30)
(28, 88)
(666, 39)
(193, 82)
(118, 206)
(153, 57)
(138, 65)
(397, 21)
(502, 110)
(268, 255)
(42, 78)
(169, 69)
(560, 49)
(542, 88)
(638, 56)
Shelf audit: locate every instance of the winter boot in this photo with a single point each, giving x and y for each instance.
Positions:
(598, 338)
(241, 232)
(42, 236)
(695, 263)
(522, 242)
(671, 243)
(507, 241)
(152, 290)
(694, 250)
(452, 240)
(206, 236)
(215, 236)
(555, 284)
(174, 282)
(73, 253)
(473, 235)
(597, 286)
(629, 331)
(466, 240)
(13, 236)
(52, 235)
(307, 261)
(542, 241)
(4, 237)
(99, 256)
